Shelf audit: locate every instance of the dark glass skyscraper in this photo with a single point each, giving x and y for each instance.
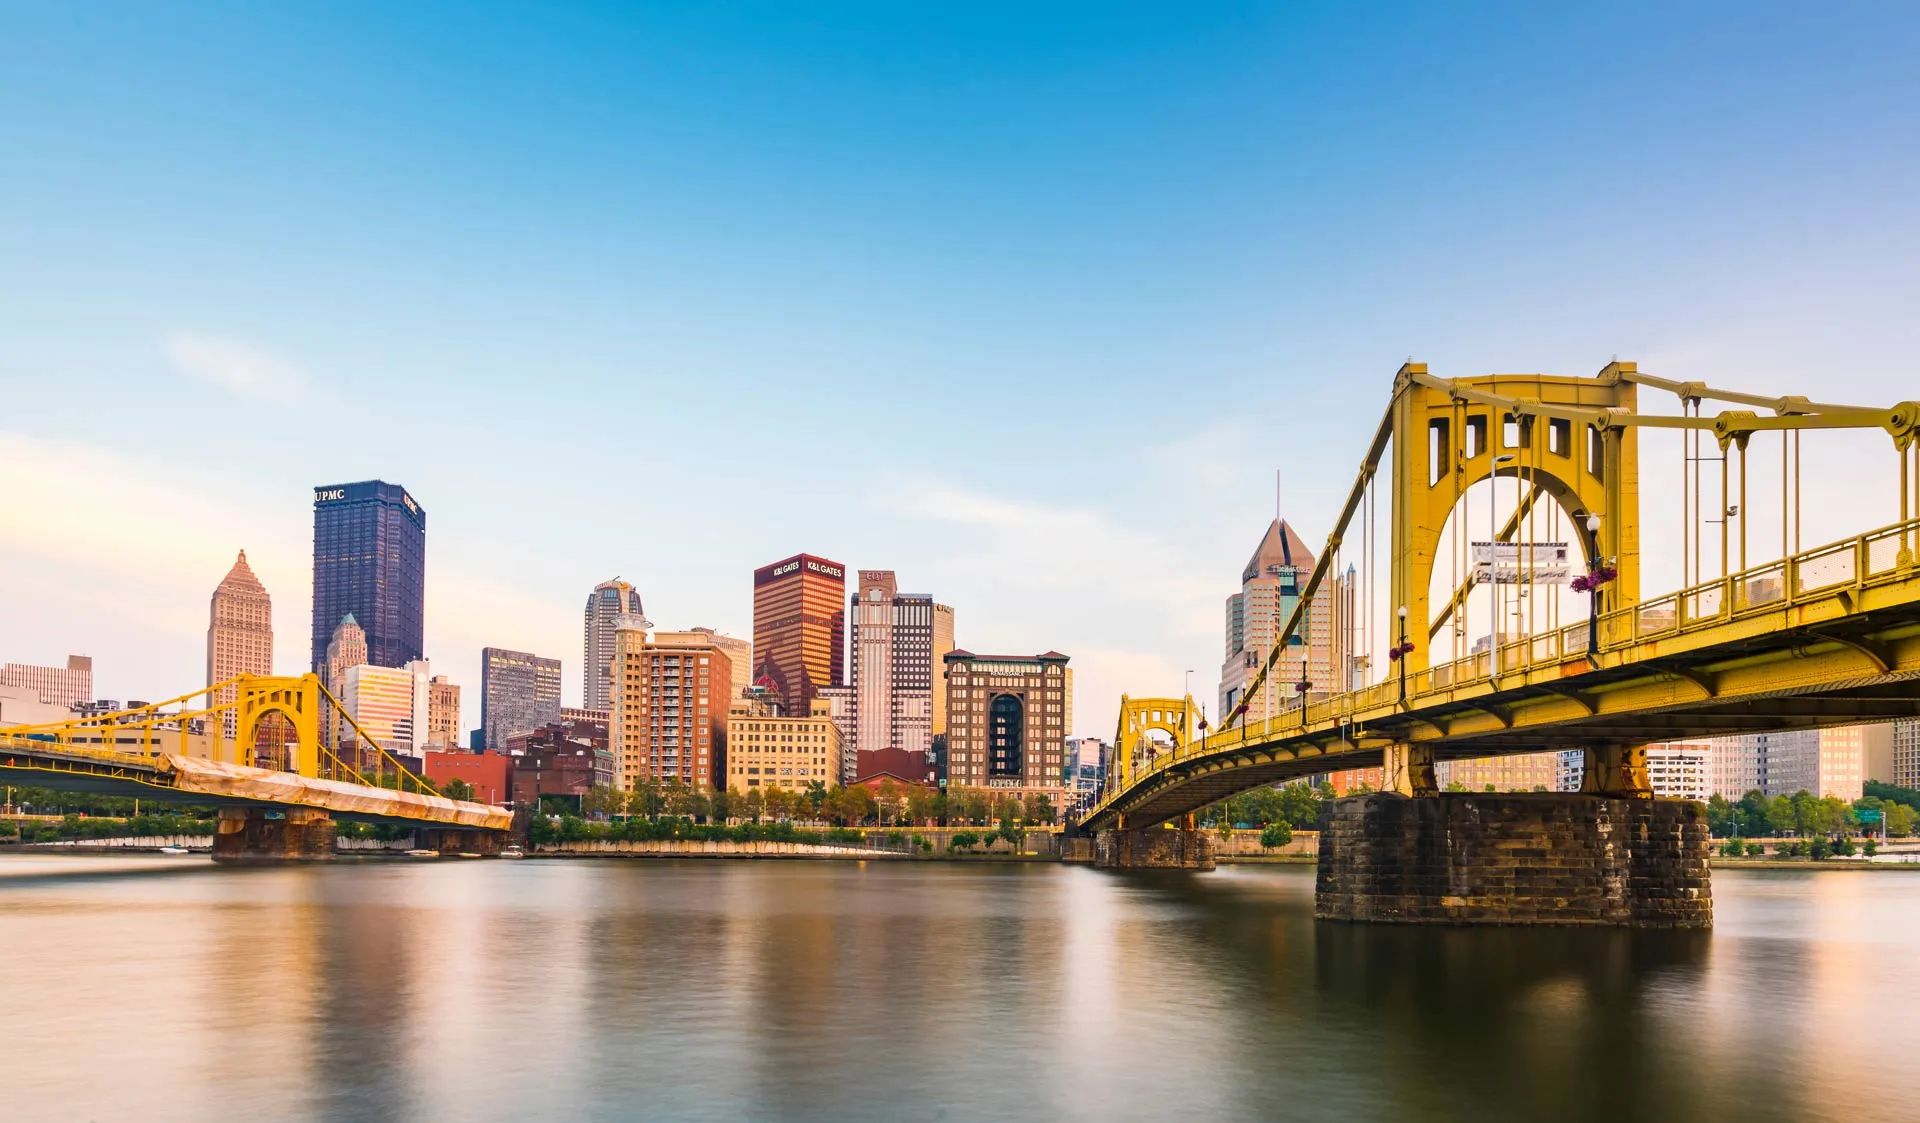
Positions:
(369, 559)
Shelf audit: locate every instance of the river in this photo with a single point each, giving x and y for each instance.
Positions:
(164, 989)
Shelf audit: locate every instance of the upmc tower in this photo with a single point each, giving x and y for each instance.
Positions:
(369, 559)
(800, 628)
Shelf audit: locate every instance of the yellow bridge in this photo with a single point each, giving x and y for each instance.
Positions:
(278, 756)
(1809, 637)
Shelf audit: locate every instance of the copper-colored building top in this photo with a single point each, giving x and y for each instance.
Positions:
(800, 627)
(239, 627)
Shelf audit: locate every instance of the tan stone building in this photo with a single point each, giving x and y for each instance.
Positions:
(443, 713)
(239, 627)
(767, 751)
(1008, 717)
(942, 643)
(669, 706)
(739, 655)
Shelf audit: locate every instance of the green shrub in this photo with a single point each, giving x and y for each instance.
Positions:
(1276, 834)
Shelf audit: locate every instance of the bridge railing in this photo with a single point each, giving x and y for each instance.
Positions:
(1880, 556)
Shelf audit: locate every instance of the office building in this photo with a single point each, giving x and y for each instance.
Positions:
(839, 700)
(669, 707)
(1675, 770)
(609, 601)
(488, 774)
(800, 628)
(768, 750)
(388, 704)
(567, 758)
(1904, 755)
(346, 647)
(1270, 586)
(739, 657)
(239, 627)
(1007, 722)
(942, 643)
(53, 686)
(519, 693)
(580, 713)
(892, 671)
(1821, 761)
(369, 561)
(443, 714)
(1521, 772)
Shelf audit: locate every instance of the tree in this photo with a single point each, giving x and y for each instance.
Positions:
(457, 788)
(721, 802)
(780, 804)
(1900, 819)
(890, 802)
(604, 801)
(1040, 809)
(753, 805)
(923, 804)
(815, 796)
(1275, 835)
(963, 841)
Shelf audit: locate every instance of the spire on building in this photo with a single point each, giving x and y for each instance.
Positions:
(1281, 545)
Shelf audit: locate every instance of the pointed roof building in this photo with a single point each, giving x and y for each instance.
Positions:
(1281, 546)
(239, 627)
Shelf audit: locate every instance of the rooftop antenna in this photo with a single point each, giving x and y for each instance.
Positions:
(1276, 495)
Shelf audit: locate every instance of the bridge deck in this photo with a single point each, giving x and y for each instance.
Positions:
(1828, 637)
(180, 779)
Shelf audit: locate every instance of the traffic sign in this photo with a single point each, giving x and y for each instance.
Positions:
(1867, 814)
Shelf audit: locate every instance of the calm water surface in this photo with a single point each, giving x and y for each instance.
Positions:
(153, 990)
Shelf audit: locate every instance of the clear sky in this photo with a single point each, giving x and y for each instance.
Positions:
(1026, 302)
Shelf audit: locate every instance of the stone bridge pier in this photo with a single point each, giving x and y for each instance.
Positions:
(1608, 855)
(1177, 847)
(251, 835)
(458, 840)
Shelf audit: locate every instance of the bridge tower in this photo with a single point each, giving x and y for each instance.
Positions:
(1549, 434)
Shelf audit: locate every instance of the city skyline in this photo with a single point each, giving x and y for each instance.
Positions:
(1179, 239)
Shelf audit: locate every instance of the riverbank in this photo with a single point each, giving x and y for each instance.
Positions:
(1809, 864)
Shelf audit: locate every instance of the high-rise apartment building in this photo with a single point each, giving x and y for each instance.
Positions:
(519, 693)
(239, 627)
(392, 705)
(892, 670)
(670, 703)
(768, 750)
(800, 628)
(443, 714)
(1270, 587)
(609, 601)
(53, 686)
(369, 561)
(1821, 761)
(1008, 717)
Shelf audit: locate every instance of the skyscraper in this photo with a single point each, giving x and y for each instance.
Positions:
(609, 601)
(443, 713)
(239, 630)
(800, 628)
(346, 647)
(893, 672)
(369, 560)
(1269, 591)
(55, 686)
(519, 693)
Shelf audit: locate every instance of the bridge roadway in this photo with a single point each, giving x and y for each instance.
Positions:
(171, 778)
(1830, 636)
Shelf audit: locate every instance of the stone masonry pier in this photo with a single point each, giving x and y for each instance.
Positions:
(1153, 848)
(1539, 858)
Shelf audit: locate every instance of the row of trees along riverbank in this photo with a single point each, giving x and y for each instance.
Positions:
(887, 805)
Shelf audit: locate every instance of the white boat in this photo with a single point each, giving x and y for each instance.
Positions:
(423, 853)
(511, 851)
(175, 850)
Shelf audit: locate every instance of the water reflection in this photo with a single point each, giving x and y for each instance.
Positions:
(727, 990)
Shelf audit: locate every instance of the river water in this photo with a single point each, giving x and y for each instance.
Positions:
(164, 989)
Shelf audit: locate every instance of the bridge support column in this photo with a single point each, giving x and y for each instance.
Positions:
(1409, 770)
(457, 840)
(1520, 858)
(1153, 848)
(250, 835)
(1617, 770)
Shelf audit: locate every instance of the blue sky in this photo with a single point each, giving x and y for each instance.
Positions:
(1024, 302)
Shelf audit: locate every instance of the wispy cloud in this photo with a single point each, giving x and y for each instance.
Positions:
(237, 367)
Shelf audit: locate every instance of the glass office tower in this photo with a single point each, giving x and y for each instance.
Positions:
(369, 559)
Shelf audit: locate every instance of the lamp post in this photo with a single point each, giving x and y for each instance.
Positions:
(1401, 652)
(1493, 561)
(1593, 590)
